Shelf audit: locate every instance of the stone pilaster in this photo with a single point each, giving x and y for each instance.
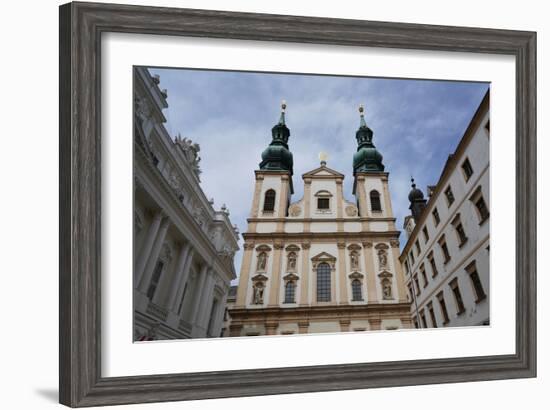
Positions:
(271, 328)
(370, 271)
(303, 327)
(344, 325)
(276, 275)
(244, 277)
(339, 205)
(305, 276)
(342, 274)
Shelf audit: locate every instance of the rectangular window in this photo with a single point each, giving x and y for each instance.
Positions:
(449, 195)
(444, 250)
(480, 205)
(412, 257)
(155, 280)
(323, 203)
(476, 282)
(406, 267)
(424, 277)
(411, 294)
(459, 228)
(417, 284)
(425, 233)
(443, 306)
(417, 244)
(432, 314)
(467, 169)
(458, 296)
(435, 214)
(432, 264)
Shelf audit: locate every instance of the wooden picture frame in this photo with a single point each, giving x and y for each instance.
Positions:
(81, 27)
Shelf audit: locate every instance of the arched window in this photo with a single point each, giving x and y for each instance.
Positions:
(290, 292)
(375, 201)
(323, 282)
(269, 201)
(356, 291)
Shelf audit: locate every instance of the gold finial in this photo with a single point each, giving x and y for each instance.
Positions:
(323, 157)
(283, 105)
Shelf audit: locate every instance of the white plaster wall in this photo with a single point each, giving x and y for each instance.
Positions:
(323, 226)
(378, 226)
(294, 227)
(352, 227)
(265, 227)
(359, 324)
(287, 327)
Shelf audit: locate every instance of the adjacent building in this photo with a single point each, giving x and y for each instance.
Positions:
(183, 247)
(320, 263)
(446, 257)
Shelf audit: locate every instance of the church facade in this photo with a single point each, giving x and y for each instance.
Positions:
(322, 263)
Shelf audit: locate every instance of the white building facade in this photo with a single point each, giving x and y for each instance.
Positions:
(321, 263)
(446, 257)
(183, 247)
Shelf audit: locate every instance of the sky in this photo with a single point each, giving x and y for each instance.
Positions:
(416, 125)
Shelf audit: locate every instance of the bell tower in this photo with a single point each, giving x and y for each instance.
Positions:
(274, 187)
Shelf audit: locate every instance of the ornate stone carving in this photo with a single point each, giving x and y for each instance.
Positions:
(258, 288)
(306, 245)
(248, 245)
(367, 244)
(351, 210)
(356, 275)
(386, 289)
(394, 244)
(291, 261)
(341, 245)
(354, 259)
(279, 246)
(381, 246)
(190, 151)
(263, 248)
(295, 210)
(261, 264)
(290, 277)
(382, 259)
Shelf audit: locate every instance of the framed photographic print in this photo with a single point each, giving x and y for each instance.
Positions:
(261, 204)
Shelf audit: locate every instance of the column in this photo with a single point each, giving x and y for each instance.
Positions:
(184, 267)
(235, 329)
(343, 275)
(370, 271)
(206, 300)
(304, 277)
(145, 251)
(339, 202)
(198, 294)
(221, 310)
(275, 276)
(150, 266)
(244, 276)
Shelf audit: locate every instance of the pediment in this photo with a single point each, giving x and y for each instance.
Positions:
(385, 274)
(322, 172)
(356, 275)
(259, 278)
(323, 256)
(290, 276)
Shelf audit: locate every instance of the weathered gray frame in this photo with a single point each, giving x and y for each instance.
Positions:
(81, 26)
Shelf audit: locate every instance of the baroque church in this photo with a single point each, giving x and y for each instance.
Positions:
(321, 263)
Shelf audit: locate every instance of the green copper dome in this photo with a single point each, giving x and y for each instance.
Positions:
(367, 158)
(277, 156)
